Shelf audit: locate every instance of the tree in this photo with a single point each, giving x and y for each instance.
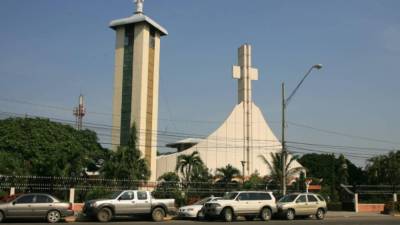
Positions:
(40, 147)
(168, 187)
(384, 169)
(186, 163)
(126, 162)
(255, 182)
(227, 173)
(276, 167)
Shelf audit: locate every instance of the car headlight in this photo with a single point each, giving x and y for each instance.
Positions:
(93, 204)
(190, 209)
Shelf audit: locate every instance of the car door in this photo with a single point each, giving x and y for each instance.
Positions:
(301, 205)
(242, 203)
(142, 203)
(125, 203)
(312, 204)
(42, 205)
(21, 207)
(255, 202)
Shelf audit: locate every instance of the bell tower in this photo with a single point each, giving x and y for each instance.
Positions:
(136, 82)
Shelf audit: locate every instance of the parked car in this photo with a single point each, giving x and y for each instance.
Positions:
(250, 204)
(196, 209)
(28, 206)
(129, 203)
(302, 204)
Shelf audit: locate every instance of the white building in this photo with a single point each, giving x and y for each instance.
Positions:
(242, 137)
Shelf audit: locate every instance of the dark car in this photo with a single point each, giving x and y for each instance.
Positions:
(35, 206)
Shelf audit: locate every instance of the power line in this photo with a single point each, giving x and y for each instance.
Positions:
(221, 139)
(343, 134)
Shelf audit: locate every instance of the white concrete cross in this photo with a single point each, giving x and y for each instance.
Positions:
(244, 73)
(139, 6)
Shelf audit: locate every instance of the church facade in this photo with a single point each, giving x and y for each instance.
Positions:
(241, 139)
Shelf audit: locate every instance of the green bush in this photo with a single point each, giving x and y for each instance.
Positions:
(392, 207)
(335, 206)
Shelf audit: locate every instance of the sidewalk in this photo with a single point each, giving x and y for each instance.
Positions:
(346, 214)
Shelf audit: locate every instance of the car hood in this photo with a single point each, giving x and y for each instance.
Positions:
(191, 207)
(221, 201)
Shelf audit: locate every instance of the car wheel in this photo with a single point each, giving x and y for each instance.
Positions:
(2, 217)
(158, 214)
(227, 214)
(53, 216)
(290, 214)
(104, 215)
(320, 215)
(265, 214)
(200, 215)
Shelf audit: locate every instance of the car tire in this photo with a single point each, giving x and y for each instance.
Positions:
(290, 214)
(200, 215)
(227, 215)
(53, 216)
(320, 215)
(158, 214)
(2, 217)
(104, 215)
(265, 214)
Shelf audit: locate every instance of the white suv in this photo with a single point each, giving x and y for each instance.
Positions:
(249, 204)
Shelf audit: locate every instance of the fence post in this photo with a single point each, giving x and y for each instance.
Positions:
(356, 202)
(12, 191)
(72, 195)
(394, 197)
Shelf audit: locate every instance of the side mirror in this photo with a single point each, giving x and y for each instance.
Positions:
(13, 203)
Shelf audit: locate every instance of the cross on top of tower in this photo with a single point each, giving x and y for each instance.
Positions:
(244, 73)
(139, 6)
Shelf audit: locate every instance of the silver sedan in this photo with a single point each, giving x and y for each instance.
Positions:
(36, 206)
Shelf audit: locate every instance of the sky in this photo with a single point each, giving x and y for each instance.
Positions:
(53, 50)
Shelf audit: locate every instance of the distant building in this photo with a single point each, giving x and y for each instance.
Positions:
(136, 81)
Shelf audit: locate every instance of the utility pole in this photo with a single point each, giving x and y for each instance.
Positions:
(283, 156)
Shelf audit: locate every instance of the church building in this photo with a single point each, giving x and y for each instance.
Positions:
(240, 139)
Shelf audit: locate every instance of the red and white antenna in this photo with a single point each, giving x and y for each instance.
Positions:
(79, 113)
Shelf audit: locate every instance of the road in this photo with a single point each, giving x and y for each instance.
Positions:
(333, 221)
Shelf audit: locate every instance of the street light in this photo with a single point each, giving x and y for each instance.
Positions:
(243, 163)
(285, 102)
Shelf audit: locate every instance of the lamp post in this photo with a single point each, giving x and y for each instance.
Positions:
(243, 163)
(284, 105)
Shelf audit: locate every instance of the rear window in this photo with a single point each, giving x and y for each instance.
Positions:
(43, 199)
(320, 198)
(311, 198)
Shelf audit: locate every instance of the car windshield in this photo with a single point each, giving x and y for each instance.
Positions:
(288, 198)
(230, 195)
(114, 195)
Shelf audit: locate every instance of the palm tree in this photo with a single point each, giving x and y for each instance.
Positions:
(275, 166)
(186, 163)
(227, 173)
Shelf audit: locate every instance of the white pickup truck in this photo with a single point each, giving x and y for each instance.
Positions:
(129, 203)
